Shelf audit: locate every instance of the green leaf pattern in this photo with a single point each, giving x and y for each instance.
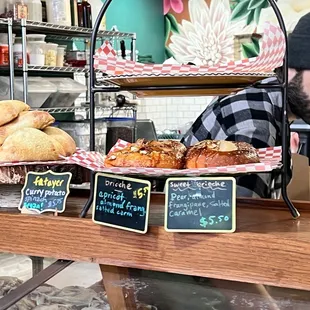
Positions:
(173, 23)
(251, 49)
(249, 10)
(167, 29)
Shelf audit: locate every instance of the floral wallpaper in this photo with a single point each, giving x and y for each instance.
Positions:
(203, 31)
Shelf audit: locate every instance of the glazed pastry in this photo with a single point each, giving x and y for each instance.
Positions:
(63, 138)
(30, 144)
(216, 153)
(29, 119)
(150, 154)
(10, 109)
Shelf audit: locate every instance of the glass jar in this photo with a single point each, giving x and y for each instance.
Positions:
(120, 128)
(59, 12)
(51, 54)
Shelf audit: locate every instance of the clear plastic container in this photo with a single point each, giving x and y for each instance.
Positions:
(39, 90)
(120, 128)
(34, 10)
(2, 7)
(36, 37)
(51, 54)
(68, 91)
(79, 131)
(59, 12)
(4, 38)
(37, 47)
(60, 56)
(18, 53)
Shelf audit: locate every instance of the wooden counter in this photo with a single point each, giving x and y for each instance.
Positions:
(268, 248)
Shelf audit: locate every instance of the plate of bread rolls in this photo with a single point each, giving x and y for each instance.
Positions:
(28, 136)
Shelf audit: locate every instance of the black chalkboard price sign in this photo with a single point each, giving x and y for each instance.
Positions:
(121, 202)
(45, 191)
(204, 205)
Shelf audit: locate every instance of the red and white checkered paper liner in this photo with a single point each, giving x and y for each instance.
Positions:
(270, 160)
(271, 57)
(90, 160)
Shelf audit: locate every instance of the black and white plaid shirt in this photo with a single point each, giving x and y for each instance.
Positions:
(252, 115)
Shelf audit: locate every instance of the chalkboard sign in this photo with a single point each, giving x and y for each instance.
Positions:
(206, 205)
(45, 191)
(121, 202)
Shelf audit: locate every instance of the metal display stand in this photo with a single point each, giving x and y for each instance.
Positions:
(282, 85)
(10, 299)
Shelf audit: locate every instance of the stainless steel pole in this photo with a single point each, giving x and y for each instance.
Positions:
(25, 65)
(11, 57)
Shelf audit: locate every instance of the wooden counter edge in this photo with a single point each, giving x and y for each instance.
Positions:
(278, 258)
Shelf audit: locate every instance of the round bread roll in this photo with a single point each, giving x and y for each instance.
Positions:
(219, 153)
(66, 141)
(149, 154)
(10, 109)
(30, 144)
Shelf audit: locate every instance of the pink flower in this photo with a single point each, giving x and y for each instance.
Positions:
(176, 5)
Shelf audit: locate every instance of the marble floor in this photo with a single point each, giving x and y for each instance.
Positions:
(78, 274)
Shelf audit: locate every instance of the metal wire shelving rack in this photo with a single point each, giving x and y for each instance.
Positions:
(52, 31)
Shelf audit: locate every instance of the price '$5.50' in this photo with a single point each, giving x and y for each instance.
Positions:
(213, 220)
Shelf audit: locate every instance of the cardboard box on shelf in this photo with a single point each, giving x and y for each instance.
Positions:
(299, 187)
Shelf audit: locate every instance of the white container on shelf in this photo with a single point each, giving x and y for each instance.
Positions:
(34, 10)
(36, 46)
(39, 90)
(60, 56)
(36, 37)
(4, 39)
(68, 91)
(2, 6)
(51, 54)
(59, 12)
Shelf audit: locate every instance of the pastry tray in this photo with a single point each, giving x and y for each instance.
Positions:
(160, 79)
(15, 172)
(270, 160)
(185, 85)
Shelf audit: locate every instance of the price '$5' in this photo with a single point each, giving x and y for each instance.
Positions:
(213, 220)
(141, 192)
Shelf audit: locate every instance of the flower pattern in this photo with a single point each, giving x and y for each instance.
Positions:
(175, 5)
(207, 38)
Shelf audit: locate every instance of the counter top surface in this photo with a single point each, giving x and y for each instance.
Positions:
(269, 247)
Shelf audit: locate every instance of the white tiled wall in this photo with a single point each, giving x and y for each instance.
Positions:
(172, 112)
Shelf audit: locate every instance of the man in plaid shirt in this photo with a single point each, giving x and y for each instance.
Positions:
(255, 115)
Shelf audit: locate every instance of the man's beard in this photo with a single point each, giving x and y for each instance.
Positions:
(298, 100)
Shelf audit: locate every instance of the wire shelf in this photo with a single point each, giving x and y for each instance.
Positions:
(69, 31)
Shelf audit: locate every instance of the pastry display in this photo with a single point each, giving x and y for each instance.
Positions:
(10, 109)
(215, 153)
(27, 135)
(174, 155)
(28, 119)
(149, 154)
